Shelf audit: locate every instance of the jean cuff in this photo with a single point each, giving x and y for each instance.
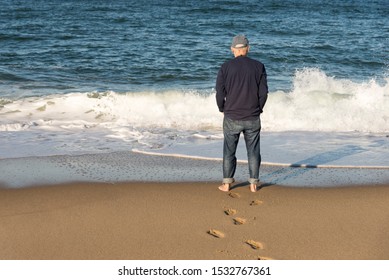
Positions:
(228, 180)
(254, 181)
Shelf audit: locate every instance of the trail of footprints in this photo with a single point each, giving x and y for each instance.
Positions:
(256, 245)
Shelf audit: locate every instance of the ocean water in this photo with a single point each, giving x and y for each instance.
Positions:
(88, 77)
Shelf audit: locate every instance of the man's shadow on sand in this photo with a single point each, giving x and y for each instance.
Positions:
(295, 170)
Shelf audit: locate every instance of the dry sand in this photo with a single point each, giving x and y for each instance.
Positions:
(193, 221)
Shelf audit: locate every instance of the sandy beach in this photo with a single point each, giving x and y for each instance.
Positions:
(135, 220)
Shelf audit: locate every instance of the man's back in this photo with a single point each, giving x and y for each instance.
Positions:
(241, 88)
(241, 93)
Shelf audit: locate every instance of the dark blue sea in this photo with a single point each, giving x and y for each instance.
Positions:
(53, 46)
(97, 76)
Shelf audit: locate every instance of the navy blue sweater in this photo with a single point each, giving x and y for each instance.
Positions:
(241, 88)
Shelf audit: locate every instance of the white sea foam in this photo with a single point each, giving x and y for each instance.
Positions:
(111, 110)
(321, 103)
(316, 103)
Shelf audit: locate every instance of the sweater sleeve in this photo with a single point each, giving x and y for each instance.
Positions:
(263, 89)
(220, 90)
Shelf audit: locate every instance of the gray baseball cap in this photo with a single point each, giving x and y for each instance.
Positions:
(239, 41)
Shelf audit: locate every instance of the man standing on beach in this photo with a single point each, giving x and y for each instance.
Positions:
(241, 94)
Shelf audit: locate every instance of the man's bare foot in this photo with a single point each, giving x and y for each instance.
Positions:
(253, 187)
(225, 187)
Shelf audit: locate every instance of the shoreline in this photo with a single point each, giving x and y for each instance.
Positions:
(153, 221)
(136, 167)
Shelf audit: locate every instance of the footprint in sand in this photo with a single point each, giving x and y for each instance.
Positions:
(256, 202)
(234, 195)
(230, 211)
(216, 233)
(262, 258)
(255, 244)
(239, 221)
